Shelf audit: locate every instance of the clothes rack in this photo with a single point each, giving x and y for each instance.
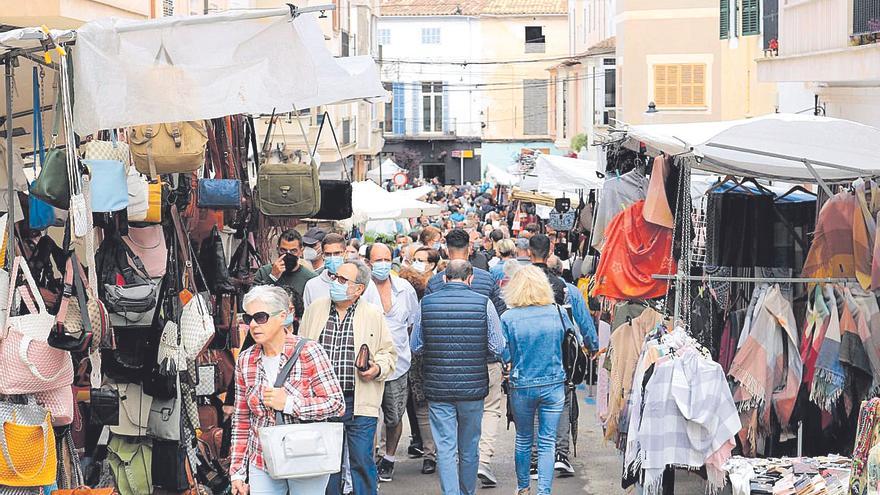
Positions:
(781, 280)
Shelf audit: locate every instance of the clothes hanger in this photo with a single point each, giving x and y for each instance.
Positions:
(795, 189)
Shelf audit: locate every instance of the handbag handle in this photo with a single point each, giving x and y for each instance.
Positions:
(73, 281)
(20, 264)
(39, 143)
(285, 373)
(22, 355)
(185, 249)
(8, 458)
(326, 118)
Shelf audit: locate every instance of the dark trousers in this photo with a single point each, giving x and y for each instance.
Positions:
(360, 434)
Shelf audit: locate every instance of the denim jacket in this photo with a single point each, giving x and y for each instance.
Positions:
(534, 341)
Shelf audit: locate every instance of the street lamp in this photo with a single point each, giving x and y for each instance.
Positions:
(652, 108)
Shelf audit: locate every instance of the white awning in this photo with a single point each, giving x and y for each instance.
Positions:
(180, 69)
(385, 171)
(371, 202)
(559, 174)
(773, 146)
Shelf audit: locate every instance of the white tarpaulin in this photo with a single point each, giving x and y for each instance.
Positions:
(414, 193)
(558, 174)
(839, 150)
(180, 69)
(371, 202)
(385, 171)
(30, 38)
(499, 176)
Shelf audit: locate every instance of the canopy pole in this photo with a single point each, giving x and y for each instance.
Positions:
(207, 19)
(781, 280)
(10, 215)
(857, 171)
(819, 180)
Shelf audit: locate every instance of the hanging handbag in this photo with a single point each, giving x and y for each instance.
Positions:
(128, 361)
(169, 148)
(85, 490)
(300, 450)
(196, 320)
(73, 326)
(148, 243)
(170, 466)
(41, 215)
(138, 203)
(109, 187)
(52, 185)
(336, 202)
(108, 150)
(29, 363)
(219, 192)
(131, 461)
(221, 364)
(104, 406)
(289, 189)
(164, 420)
(134, 409)
(27, 443)
(170, 358)
(212, 257)
(60, 403)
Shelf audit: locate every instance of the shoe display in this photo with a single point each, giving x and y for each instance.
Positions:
(533, 471)
(429, 466)
(563, 467)
(386, 470)
(415, 451)
(486, 476)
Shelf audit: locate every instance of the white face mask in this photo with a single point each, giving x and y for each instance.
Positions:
(419, 266)
(310, 254)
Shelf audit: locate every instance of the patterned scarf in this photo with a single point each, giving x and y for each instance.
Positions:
(830, 376)
(831, 254)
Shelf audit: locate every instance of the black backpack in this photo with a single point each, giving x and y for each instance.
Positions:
(575, 360)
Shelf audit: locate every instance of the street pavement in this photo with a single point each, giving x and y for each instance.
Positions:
(597, 466)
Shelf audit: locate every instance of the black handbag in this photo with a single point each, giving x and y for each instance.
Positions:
(128, 362)
(335, 194)
(216, 270)
(170, 466)
(104, 406)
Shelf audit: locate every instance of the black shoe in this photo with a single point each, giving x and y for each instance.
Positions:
(533, 471)
(429, 466)
(415, 451)
(386, 470)
(563, 467)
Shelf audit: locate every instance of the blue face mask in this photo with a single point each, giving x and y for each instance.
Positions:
(333, 263)
(288, 321)
(381, 270)
(338, 291)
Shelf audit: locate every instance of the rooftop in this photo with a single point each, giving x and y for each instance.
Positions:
(401, 8)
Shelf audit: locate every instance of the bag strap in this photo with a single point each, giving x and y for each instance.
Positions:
(73, 282)
(20, 264)
(326, 118)
(285, 373)
(305, 139)
(39, 144)
(184, 251)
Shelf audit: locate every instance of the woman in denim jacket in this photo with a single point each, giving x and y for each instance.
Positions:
(533, 327)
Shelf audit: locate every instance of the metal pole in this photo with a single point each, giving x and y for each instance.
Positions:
(781, 280)
(858, 172)
(222, 16)
(10, 187)
(462, 168)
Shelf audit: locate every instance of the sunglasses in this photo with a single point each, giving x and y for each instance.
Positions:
(260, 317)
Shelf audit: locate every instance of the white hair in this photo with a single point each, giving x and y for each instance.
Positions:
(510, 268)
(276, 299)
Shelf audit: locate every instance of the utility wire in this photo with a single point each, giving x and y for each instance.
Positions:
(465, 63)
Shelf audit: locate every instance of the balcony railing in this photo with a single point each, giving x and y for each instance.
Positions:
(450, 128)
(866, 17)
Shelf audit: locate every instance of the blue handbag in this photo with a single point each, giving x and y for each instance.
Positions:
(41, 215)
(219, 194)
(109, 187)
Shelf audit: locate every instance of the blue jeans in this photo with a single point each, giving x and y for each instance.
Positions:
(360, 432)
(456, 430)
(546, 402)
(261, 483)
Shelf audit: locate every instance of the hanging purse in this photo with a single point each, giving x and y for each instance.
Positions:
(60, 403)
(134, 409)
(164, 420)
(170, 466)
(27, 443)
(196, 321)
(289, 189)
(148, 243)
(109, 187)
(104, 406)
(108, 150)
(169, 148)
(41, 215)
(171, 359)
(212, 257)
(300, 450)
(336, 202)
(128, 362)
(73, 327)
(131, 461)
(138, 202)
(219, 192)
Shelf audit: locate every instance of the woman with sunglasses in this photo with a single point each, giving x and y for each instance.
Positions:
(310, 393)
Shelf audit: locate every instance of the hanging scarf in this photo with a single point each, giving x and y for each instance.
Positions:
(866, 437)
(635, 250)
(657, 209)
(863, 238)
(830, 377)
(818, 318)
(868, 324)
(853, 354)
(831, 254)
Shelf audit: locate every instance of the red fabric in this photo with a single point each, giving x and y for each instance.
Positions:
(634, 251)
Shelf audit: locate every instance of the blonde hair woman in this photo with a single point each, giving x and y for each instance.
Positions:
(534, 326)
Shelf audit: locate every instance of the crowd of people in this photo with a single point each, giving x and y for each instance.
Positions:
(431, 327)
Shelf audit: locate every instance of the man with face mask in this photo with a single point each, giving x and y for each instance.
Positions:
(312, 251)
(354, 331)
(286, 271)
(398, 301)
(333, 249)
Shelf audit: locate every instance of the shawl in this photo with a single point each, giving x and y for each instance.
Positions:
(657, 209)
(618, 193)
(634, 251)
(875, 260)
(852, 350)
(832, 251)
(818, 318)
(866, 437)
(688, 417)
(762, 376)
(868, 324)
(863, 237)
(830, 377)
(627, 342)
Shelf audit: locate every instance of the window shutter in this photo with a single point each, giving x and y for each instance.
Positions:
(660, 83)
(446, 109)
(397, 109)
(725, 19)
(699, 85)
(750, 18)
(416, 107)
(680, 85)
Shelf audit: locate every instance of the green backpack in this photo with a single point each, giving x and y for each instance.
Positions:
(288, 189)
(131, 460)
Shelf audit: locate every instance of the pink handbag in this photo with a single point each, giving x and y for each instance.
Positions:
(60, 403)
(148, 244)
(29, 363)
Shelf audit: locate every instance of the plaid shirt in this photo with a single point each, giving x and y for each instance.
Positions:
(313, 394)
(338, 340)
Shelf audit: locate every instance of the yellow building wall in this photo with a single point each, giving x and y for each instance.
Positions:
(504, 39)
(742, 94)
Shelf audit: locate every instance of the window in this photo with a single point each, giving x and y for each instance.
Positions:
(346, 131)
(535, 40)
(388, 123)
(771, 21)
(610, 87)
(725, 19)
(865, 17)
(167, 8)
(384, 36)
(750, 18)
(535, 109)
(432, 106)
(430, 36)
(398, 124)
(680, 85)
(344, 51)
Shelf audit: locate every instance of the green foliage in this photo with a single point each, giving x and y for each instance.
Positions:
(578, 142)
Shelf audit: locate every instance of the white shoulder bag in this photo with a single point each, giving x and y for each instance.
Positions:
(300, 450)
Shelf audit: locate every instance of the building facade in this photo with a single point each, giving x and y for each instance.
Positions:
(827, 60)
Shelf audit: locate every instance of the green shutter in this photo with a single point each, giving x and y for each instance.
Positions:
(751, 17)
(725, 19)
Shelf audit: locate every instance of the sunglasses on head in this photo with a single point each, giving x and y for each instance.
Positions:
(260, 317)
